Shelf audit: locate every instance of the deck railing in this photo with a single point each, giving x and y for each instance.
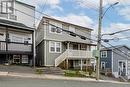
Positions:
(11, 46)
(73, 54)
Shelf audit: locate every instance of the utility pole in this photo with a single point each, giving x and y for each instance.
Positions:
(99, 40)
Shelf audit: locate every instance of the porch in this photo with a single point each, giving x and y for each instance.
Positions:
(80, 52)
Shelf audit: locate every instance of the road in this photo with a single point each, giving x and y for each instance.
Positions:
(25, 82)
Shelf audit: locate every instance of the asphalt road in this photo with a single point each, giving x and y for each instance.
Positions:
(25, 82)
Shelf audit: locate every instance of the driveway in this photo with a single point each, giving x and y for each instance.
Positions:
(17, 69)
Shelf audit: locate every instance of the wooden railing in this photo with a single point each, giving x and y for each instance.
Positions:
(73, 54)
(61, 58)
(79, 54)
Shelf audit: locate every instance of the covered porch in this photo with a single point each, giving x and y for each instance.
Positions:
(77, 56)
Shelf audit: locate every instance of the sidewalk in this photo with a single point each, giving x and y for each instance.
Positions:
(55, 77)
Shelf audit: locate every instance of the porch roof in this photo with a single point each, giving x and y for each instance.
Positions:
(80, 43)
(5, 22)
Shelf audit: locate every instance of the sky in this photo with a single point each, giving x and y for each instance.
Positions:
(85, 13)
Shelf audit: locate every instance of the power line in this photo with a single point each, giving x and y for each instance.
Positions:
(118, 49)
(83, 37)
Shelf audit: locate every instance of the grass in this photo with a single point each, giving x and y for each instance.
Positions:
(77, 73)
(39, 71)
(72, 73)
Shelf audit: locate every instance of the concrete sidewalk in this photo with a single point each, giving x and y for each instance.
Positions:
(55, 77)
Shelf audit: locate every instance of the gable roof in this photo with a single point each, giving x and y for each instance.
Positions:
(51, 18)
(9, 23)
(26, 4)
(115, 47)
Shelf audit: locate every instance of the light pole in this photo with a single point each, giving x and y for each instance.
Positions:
(101, 15)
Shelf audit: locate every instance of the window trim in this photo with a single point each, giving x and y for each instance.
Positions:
(6, 7)
(55, 51)
(102, 52)
(50, 26)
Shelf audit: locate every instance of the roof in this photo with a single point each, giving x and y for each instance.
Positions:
(82, 43)
(66, 22)
(5, 22)
(115, 47)
(25, 4)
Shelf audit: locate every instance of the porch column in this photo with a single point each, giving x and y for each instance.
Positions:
(67, 64)
(81, 65)
(7, 37)
(87, 64)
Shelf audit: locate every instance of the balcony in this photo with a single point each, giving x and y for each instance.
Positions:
(73, 54)
(18, 47)
(76, 54)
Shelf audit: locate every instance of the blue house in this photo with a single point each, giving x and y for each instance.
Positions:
(116, 60)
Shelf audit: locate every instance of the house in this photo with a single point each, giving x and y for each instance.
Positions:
(58, 45)
(16, 32)
(116, 60)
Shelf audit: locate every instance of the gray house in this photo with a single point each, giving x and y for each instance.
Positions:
(17, 32)
(116, 60)
(58, 48)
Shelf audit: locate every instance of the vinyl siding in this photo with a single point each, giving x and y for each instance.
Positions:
(108, 59)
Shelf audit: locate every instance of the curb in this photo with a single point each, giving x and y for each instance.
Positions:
(54, 77)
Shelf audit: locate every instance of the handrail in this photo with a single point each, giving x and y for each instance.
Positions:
(61, 58)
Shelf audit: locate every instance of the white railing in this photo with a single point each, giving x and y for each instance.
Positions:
(2, 46)
(79, 54)
(61, 58)
(73, 54)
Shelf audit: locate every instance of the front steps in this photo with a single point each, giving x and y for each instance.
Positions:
(52, 70)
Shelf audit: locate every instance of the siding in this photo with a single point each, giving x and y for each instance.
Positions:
(107, 60)
(50, 57)
(117, 57)
(40, 54)
(43, 33)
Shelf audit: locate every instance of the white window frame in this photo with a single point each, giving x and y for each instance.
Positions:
(50, 26)
(25, 59)
(5, 8)
(55, 51)
(102, 54)
(102, 65)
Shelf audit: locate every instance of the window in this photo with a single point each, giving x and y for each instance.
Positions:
(55, 47)
(54, 29)
(103, 65)
(6, 7)
(24, 58)
(104, 54)
(17, 39)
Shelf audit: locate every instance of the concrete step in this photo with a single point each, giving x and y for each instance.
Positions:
(52, 70)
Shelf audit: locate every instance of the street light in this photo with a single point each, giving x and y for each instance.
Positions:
(101, 15)
(109, 8)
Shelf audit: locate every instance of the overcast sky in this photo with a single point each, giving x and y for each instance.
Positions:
(85, 13)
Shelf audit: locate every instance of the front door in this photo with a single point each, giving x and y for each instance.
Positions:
(122, 68)
(103, 65)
